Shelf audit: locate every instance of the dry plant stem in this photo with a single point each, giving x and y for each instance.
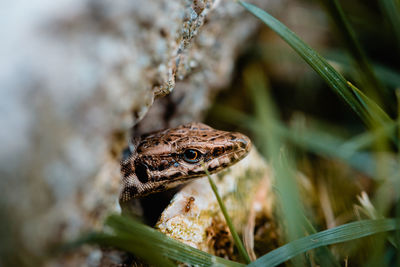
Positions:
(248, 230)
(248, 234)
(326, 205)
(235, 235)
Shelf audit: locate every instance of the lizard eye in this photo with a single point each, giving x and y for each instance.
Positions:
(191, 155)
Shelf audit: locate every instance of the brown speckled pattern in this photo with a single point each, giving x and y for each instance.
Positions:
(156, 160)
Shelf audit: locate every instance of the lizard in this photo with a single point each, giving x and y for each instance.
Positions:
(162, 160)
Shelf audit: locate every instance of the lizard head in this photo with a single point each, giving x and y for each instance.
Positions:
(164, 159)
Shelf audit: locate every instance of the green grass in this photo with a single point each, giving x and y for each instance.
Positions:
(334, 79)
(236, 238)
(151, 245)
(335, 235)
(372, 152)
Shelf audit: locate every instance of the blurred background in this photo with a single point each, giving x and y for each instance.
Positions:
(354, 170)
(79, 78)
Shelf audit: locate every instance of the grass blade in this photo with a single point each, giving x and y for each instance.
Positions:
(319, 142)
(373, 109)
(388, 76)
(335, 235)
(272, 145)
(397, 237)
(377, 115)
(317, 62)
(334, 79)
(138, 249)
(235, 235)
(152, 245)
(369, 79)
(392, 10)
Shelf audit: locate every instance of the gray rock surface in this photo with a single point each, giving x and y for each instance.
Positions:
(75, 76)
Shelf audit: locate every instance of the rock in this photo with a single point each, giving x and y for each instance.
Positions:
(75, 77)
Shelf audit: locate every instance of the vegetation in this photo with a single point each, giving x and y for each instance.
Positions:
(355, 143)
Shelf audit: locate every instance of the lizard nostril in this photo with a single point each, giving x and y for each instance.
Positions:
(243, 142)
